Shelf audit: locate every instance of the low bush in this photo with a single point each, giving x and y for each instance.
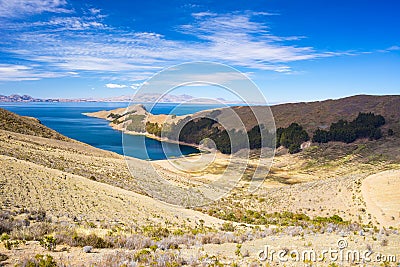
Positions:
(38, 261)
(48, 242)
(90, 240)
(10, 244)
(228, 227)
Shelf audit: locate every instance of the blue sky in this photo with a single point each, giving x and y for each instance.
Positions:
(293, 50)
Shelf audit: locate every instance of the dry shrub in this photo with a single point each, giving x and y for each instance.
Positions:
(294, 230)
(33, 232)
(38, 215)
(90, 240)
(130, 242)
(168, 243)
(6, 226)
(64, 236)
(71, 238)
(140, 258)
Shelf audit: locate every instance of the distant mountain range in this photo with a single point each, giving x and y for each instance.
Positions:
(19, 98)
(28, 98)
(144, 98)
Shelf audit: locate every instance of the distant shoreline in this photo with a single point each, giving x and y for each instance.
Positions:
(104, 116)
(145, 99)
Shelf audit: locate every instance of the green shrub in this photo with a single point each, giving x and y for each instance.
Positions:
(156, 232)
(4, 237)
(238, 250)
(48, 242)
(228, 227)
(10, 244)
(141, 255)
(39, 261)
(333, 219)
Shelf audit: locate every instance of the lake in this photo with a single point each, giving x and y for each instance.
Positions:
(67, 119)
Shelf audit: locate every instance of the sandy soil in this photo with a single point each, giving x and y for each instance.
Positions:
(381, 192)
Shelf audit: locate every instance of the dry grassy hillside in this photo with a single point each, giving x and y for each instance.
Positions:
(27, 125)
(322, 113)
(82, 196)
(312, 115)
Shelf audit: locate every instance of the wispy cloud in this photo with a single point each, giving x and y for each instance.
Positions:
(393, 48)
(239, 40)
(72, 43)
(72, 23)
(10, 72)
(15, 8)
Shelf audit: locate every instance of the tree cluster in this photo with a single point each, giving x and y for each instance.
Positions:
(226, 141)
(366, 125)
(154, 128)
(291, 137)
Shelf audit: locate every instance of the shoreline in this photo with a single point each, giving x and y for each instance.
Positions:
(151, 136)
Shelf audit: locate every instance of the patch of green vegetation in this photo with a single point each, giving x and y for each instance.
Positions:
(238, 250)
(10, 244)
(366, 125)
(4, 237)
(228, 227)
(155, 232)
(142, 255)
(231, 141)
(333, 219)
(285, 218)
(40, 261)
(291, 137)
(136, 123)
(48, 242)
(114, 116)
(154, 128)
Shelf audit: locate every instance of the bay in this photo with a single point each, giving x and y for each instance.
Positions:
(67, 119)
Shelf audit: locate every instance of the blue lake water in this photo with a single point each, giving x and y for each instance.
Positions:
(67, 119)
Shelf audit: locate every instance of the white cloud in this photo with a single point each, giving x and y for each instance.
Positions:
(394, 48)
(86, 44)
(10, 72)
(15, 8)
(135, 86)
(94, 11)
(116, 86)
(74, 23)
